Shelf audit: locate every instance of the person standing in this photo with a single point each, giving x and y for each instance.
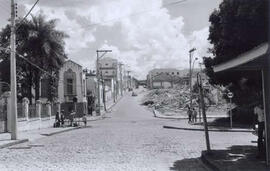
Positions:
(258, 110)
(194, 115)
(189, 113)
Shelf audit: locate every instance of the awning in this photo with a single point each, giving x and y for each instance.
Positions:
(250, 60)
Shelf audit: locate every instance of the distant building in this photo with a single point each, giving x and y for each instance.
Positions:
(109, 72)
(164, 77)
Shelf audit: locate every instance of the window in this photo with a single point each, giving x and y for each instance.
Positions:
(177, 73)
(172, 73)
(106, 72)
(69, 86)
(106, 64)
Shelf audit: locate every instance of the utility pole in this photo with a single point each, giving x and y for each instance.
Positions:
(190, 76)
(199, 80)
(121, 79)
(13, 82)
(129, 81)
(98, 75)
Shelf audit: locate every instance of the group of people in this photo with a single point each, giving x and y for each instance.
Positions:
(59, 119)
(192, 115)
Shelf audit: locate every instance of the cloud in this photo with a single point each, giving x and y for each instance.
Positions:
(142, 34)
(199, 40)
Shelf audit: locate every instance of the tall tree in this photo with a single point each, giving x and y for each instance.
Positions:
(237, 26)
(42, 44)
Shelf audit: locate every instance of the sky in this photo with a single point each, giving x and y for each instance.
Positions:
(142, 34)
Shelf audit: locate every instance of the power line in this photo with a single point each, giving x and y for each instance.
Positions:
(30, 62)
(28, 13)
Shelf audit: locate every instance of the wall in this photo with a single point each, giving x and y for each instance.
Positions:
(79, 76)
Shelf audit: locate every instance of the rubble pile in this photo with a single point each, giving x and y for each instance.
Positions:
(167, 98)
(175, 100)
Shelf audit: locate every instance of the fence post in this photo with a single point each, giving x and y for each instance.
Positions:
(25, 108)
(38, 109)
(49, 109)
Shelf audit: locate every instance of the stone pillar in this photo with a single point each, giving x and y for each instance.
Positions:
(38, 109)
(7, 97)
(25, 108)
(49, 109)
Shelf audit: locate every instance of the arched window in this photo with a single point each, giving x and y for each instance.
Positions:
(69, 83)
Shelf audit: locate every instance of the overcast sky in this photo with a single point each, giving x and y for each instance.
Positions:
(144, 34)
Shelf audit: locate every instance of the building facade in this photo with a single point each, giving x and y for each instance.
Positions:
(72, 87)
(164, 77)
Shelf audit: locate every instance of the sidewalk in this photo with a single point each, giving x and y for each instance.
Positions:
(235, 158)
(31, 135)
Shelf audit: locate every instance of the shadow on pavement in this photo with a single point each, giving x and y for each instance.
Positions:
(235, 158)
(224, 123)
(192, 164)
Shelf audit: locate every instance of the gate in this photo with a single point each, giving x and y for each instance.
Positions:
(3, 115)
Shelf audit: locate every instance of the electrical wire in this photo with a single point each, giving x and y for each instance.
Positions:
(28, 13)
(33, 64)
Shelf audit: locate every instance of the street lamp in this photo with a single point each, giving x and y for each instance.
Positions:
(97, 73)
(190, 74)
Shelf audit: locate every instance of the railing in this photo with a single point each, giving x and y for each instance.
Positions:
(44, 112)
(32, 111)
(20, 110)
(3, 112)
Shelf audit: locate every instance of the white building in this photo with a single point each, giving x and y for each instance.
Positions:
(72, 86)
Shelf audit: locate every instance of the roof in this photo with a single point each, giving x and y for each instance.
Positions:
(108, 59)
(164, 69)
(165, 77)
(250, 60)
(73, 62)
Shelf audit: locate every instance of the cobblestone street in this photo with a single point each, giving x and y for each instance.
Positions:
(129, 138)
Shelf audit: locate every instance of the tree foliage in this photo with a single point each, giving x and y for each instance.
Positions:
(41, 43)
(237, 26)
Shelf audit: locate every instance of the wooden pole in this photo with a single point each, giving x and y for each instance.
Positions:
(266, 103)
(199, 80)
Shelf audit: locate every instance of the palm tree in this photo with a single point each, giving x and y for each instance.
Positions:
(41, 44)
(44, 47)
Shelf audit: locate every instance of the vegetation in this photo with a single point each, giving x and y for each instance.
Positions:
(42, 44)
(237, 26)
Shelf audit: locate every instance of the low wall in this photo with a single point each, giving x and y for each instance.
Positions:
(35, 123)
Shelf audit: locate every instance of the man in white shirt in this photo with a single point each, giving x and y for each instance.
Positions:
(258, 110)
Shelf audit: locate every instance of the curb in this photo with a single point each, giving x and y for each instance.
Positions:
(208, 163)
(13, 143)
(212, 130)
(61, 131)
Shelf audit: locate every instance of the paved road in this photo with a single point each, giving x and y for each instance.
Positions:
(130, 138)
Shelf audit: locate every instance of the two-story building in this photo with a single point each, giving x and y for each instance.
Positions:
(108, 71)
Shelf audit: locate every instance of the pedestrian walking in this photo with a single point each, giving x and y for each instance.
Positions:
(258, 111)
(189, 113)
(194, 115)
